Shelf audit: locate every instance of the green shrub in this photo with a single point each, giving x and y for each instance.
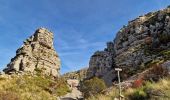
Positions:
(92, 87)
(39, 71)
(164, 38)
(165, 54)
(59, 87)
(139, 94)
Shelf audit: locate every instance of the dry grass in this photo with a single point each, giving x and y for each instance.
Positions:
(106, 96)
(32, 88)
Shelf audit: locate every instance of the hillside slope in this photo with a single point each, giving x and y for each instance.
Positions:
(28, 87)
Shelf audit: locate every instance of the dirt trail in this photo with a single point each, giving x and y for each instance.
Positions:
(74, 95)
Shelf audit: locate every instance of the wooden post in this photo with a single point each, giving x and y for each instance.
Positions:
(118, 73)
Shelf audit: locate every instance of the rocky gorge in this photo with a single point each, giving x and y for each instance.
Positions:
(139, 48)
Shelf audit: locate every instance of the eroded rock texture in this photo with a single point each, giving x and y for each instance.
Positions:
(37, 53)
(144, 40)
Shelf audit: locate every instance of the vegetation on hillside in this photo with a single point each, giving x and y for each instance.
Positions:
(28, 87)
(151, 84)
(92, 87)
(149, 91)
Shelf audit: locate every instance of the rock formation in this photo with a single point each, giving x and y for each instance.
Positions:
(79, 75)
(36, 54)
(143, 41)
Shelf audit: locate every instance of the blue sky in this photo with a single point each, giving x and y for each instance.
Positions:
(81, 27)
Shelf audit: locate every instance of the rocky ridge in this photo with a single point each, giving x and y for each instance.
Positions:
(144, 40)
(37, 54)
(79, 75)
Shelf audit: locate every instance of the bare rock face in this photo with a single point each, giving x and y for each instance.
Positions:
(102, 60)
(37, 53)
(102, 63)
(144, 40)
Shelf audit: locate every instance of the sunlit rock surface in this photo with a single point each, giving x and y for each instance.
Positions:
(36, 54)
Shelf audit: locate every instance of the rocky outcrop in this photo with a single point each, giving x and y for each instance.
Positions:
(102, 63)
(143, 41)
(79, 75)
(36, 54)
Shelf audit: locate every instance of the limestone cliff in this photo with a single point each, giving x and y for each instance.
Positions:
(37, 53)
(144, 40)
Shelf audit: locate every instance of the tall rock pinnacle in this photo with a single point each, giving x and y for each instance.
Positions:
(37, 52)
